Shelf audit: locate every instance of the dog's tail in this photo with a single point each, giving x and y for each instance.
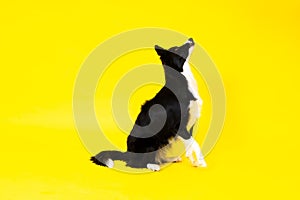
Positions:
(107, 158)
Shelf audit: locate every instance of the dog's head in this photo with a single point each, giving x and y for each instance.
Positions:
(175, 57)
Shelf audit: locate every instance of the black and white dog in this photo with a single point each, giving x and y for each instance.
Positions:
(171, 114)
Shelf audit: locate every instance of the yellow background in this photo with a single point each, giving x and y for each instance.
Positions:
(255, 45)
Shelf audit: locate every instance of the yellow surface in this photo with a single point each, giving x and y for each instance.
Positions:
(255, 45)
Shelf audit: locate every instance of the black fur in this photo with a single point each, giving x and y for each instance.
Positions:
(174, 97)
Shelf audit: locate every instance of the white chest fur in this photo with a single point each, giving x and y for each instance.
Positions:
(195, 106)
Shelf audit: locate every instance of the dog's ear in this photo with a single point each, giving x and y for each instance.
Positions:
(159, 50)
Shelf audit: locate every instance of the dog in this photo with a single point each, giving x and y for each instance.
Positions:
(170, 115)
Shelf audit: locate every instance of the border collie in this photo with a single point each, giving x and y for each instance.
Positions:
(170, 115)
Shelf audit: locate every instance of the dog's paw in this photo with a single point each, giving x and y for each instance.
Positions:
(199, 163)
(153, 167)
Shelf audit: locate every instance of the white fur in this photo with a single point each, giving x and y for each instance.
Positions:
(153, 167)
(195, 106)
(191, 146)
(188, 41)
(192, 84)
(109, 163)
